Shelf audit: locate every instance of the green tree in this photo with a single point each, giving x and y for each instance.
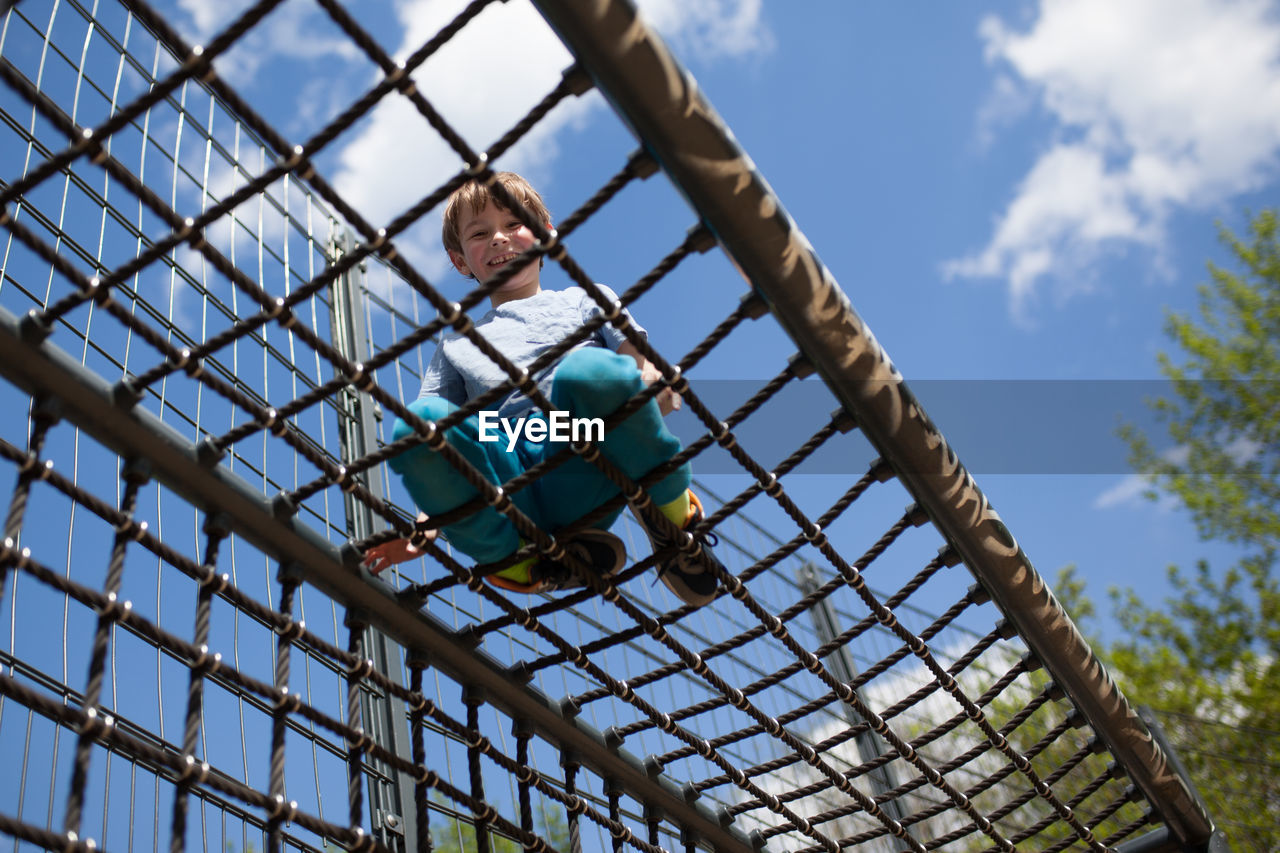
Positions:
(1208, 661)
(452, 835)
(1224, 415)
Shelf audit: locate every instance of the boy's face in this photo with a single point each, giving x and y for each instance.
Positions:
(491, 239)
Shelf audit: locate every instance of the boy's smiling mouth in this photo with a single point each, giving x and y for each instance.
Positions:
(502, 259)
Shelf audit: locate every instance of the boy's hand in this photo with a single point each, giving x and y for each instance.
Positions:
(668, 400)
(381, 557)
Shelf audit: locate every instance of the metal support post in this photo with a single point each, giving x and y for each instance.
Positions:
(840, 664)
(390, 792)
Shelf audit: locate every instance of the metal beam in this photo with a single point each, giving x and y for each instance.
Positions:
(395, 820)
(42, 370)
(659, 99)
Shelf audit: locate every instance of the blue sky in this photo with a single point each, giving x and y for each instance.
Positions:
(1006, 191)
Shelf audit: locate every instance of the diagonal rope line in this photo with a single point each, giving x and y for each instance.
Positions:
(674, 616)
(851, 732)
(204, 661)
(928, 737)
(158, 25)
(397, 73)
(764, 683)
(196, 63)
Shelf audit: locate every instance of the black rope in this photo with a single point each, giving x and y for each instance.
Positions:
(614, 793)
(417, 705)
(473, 700)
(170, 763)
(112, 609)
(523, 736)
(195, 63)
(357, 740)
(43, 417)
(216, 531)
(571, 788)
(288, 587)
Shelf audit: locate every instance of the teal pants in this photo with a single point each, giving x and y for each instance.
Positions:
(591, 382)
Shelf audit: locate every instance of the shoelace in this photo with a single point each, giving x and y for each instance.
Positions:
(705, 539)
(557, 574)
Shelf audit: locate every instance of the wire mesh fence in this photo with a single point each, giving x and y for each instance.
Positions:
(206, 345)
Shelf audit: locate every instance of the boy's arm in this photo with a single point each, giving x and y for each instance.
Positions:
(442, 379)
(668, 400)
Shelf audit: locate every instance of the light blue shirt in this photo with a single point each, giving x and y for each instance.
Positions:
(522, 330)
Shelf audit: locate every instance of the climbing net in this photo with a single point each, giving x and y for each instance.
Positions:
(205, 343)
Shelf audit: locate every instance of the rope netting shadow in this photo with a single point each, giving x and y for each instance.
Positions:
(206, 344)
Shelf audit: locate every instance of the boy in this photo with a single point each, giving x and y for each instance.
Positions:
(591, 381)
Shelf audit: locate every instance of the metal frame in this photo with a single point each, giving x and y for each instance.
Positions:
(394, 818)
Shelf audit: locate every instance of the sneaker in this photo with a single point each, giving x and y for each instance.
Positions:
(603, 552)
(689, 570)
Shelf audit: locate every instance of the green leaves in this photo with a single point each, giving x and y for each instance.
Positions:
(1207, 659)
(1225, 416)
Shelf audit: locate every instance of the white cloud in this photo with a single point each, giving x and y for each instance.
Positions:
(1243, 450)
(1159, 105)
(483, 81)
(709, 29)
(207, 17)
(1007, 102)
(1131, 490)
(292, 30)
(395, 157)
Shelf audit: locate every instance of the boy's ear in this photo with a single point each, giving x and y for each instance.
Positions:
(460, 263)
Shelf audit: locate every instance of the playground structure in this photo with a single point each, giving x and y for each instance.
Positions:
(204, 345)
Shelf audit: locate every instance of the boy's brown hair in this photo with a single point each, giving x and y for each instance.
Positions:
(474, 195)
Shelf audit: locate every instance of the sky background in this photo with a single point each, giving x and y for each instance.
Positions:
(1006, 191)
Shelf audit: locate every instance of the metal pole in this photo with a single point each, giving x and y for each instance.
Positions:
(659, 99)
(394, 820)
(1217, 842)
(840, 664)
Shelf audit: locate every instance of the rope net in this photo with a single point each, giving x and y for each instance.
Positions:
(206, 345)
